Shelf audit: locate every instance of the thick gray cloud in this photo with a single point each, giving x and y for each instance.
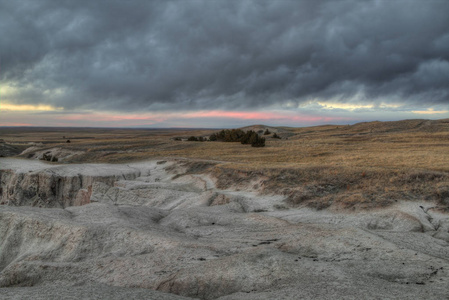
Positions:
(140, 55)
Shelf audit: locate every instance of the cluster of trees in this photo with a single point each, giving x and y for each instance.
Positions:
(233, 135)
(237, 135)
(197, 139)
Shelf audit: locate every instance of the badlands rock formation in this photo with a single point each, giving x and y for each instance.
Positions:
(138, 231)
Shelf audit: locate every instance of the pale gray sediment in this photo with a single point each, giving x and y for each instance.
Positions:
(138, 232)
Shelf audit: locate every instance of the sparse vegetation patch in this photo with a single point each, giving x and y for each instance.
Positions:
(238, 135)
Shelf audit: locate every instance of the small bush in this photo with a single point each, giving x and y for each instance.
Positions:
(213, 137)
(193, 139)
(267, 132)
(246, 139)
(257, 141)
(275, 136)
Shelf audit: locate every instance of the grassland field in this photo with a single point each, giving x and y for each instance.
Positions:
(360, 166)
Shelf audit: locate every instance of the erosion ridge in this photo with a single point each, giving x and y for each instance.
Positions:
(166, 226)
(35, 183)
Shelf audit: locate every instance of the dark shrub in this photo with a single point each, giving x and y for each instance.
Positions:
(256, 141)
(246, 139)
(238, 135)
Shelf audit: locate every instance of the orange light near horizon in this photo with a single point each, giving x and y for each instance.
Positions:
(15, 124)
(25, 107)
(430, 111)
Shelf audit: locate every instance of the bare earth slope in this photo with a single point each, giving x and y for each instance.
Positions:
(140, 229)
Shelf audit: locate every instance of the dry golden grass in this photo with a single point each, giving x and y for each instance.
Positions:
(365, 164)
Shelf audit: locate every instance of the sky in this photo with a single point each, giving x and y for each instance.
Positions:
(222, 64)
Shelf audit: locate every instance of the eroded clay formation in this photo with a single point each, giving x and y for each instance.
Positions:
(141, 231)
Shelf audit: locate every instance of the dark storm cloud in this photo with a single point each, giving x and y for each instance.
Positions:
(131, 55)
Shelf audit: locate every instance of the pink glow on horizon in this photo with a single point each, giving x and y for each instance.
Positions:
(285, 115)
(104, 117)
(204, 118)
(232, 115)
(160, 117)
